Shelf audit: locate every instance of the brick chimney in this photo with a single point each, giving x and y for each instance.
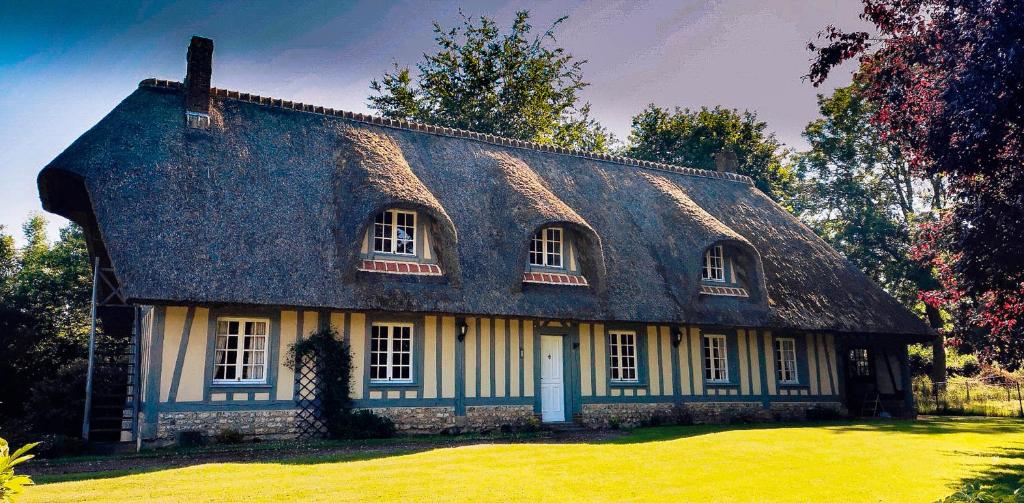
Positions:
(726, 162)
(197, 82)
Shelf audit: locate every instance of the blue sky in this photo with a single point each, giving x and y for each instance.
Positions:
(63, 66)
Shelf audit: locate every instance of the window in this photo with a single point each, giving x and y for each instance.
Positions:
(546, 248)
(391, 353)
(860, 364)
(714, 264)
(716, 368)
(785, 361)
(394, 231)
(241, 354)
(622, 356)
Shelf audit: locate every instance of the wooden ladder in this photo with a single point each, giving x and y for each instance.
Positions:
(872, 403)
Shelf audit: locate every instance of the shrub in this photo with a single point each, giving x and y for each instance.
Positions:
(55, 446)
(366, 424)
(229, 436)
(56, 403)
(680, 415)
(11, 484)
(190, 438)
(818, 413)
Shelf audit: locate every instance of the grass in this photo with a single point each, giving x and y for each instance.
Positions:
(870, 461)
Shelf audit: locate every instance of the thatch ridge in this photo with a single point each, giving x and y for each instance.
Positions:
(453, 132)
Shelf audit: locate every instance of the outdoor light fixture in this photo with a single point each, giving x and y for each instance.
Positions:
(462, 329)
(677, 336)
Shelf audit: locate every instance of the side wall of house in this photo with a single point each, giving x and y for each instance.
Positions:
(489, 378)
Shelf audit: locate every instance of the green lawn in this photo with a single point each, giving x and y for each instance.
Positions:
(871, 461)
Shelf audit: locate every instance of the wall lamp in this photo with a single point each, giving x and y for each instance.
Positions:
(677, 336)
(463, 327)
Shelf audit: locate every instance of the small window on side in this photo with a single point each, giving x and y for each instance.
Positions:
(785, 361)
(546, 248)
(394, 232)
(716, 359)
(622, 356)
(714, 265)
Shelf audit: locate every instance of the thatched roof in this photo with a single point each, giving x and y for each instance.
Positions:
(268, 207)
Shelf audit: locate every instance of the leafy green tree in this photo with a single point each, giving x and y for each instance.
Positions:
(45, 293)
(947, 80)
(692, 138)
(516, 85)
(861, 196)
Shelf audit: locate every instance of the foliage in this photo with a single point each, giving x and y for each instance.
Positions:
(365, 424)
(860, 195)
(11, 484)
(333, 363)
(947, 80)
(692, 137)
(957, 364)
(514, 84)
(45, 291)
(229, 436)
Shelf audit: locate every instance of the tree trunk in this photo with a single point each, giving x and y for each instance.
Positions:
(938, 347)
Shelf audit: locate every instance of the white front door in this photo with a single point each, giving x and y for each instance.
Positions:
(552, 386)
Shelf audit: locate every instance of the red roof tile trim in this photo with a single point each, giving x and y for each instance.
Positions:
(554, 279)
(397, 267)
(727, 291)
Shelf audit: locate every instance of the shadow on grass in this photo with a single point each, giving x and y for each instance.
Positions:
(999, 480)
(1003, 475)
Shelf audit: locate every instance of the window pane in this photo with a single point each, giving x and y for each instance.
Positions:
(405, 232)
(382, 233)
(537, 249)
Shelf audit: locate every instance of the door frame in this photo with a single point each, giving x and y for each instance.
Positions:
(570, 367)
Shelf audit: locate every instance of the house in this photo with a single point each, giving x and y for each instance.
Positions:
(479, 280)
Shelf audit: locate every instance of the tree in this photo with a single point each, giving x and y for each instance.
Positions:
(861, 196)
(513, 85)
(45, 294)
(692, 138)
(947, 80)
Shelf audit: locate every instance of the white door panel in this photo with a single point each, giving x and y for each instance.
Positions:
(552, 386)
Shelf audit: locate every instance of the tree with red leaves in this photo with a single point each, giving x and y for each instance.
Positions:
(947, 81)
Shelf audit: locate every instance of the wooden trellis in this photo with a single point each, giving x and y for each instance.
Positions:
(309, 422)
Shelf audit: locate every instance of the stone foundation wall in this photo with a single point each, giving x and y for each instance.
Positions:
(265, 424)
(625, 415)
(488, 417)
(418, 419)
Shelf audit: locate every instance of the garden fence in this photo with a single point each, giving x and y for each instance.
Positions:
(969, 396)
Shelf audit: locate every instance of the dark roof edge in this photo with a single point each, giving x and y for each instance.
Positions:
(453, 132)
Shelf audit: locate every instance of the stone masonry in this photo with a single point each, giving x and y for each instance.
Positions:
(418, 419)
(264, 424)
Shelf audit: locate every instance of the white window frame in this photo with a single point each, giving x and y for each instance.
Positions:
(240, 364)
(616, 365)
(392, 238)
(389, 355)
(714, 264)
(716, 358)
(786, 369)
(543, 238)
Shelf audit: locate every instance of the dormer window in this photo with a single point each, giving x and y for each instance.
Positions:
(714, 265)
(394, 232)
(546, 248)
(722, 273)
(553, 258)
(399, 242)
